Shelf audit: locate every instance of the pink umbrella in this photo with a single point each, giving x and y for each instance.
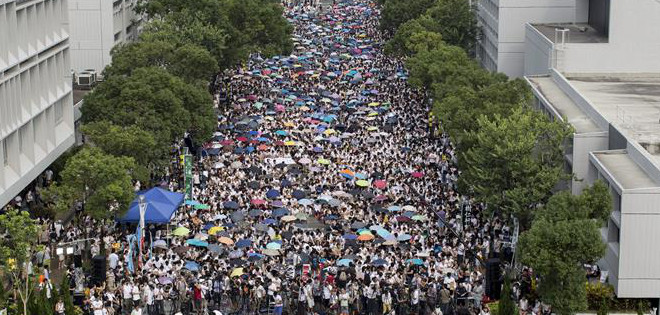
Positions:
(417, 174)
(279, 108)
(258, 202)
(226, 142)
(380, 184)
(243, 139)
(252, 97)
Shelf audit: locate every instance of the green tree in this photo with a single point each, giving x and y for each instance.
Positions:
(396, 12)
(414, 36)
(564, 236)
(516, 161)
(102, 181)
(506, 304)
(20, 236)
(191, 62)
(154, 100)
(445, 64)
(65, 295)
(129, 141)
(456, 23)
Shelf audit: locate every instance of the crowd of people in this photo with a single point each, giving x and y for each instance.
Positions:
(327, 190)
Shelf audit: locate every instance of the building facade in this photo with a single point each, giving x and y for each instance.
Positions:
(97, 26)
(36, 112)
(587, 75)
(501, 47)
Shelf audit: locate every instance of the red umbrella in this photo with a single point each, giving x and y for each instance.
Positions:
(242, 139)
(262, 147)
(380, 184)
(258, 202)
(279, 142)
(252, 97)
(380, 198)
(254, 141)
(226, 142)
(402, 218)
(417, 174)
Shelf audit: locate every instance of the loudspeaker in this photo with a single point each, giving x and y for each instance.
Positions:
(98, 269)
(493, 278)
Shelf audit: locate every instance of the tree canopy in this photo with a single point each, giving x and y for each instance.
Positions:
(396, 12)
(564, 236)
(102, 181)
(129, 141)
(154, 100)
(515, 161)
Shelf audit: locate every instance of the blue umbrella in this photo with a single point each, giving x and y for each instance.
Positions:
(394, 208)
(379, 262)
(280, 212)
(262, 139)
(281, 133)
(298, 194)
(192, 266)
(208, 225)
(269, 221)
(350, 236)
(305, 202)
(317, 149)
(360, 176)
(272, 194)
(285, 183)
(273, 245)
(230, 204)
(331, 217)
(344, 262)
(404, 237)
(253, 133)
(415, 261)
(196, 242)
(244, 243)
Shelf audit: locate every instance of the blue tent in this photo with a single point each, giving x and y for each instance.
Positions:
(161, 205)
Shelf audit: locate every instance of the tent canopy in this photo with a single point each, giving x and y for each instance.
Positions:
(161, 205)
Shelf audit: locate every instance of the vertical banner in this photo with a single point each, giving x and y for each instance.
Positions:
(188, 177)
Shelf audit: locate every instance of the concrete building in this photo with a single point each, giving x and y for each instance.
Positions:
(603, 77)
(502, 44)
(36, 112)
(97, 26)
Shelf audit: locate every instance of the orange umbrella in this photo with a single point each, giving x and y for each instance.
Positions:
(365, 237)
(347, 172)
(226, 240)
(262, 147)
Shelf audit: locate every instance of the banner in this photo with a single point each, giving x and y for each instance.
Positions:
(188, 176)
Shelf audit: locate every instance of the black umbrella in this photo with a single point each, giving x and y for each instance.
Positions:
(237, 216)
(261, 227)
(358, 225)
(377, 175)
(298, 194)
(254, 184)
(368, 194)
(287, 235)
(230, 204)
(255, 212)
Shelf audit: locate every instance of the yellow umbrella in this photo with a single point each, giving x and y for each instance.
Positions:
(237, 272)
(323, 161)
(362, 183)
(289, 143)
(181, 231)
(372, 128)
(372, 104)
(216, 229)
(304, 108)
(289, 124)
(226, 240)
(329, 131)
(373, 114)
(288, 218)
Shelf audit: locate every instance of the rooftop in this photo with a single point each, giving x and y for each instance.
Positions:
(624, 170)
(570, 112)
(577, 33)
(630, 102)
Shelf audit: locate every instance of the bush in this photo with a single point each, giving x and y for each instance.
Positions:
(601, 297)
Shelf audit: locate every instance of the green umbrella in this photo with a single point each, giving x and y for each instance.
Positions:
(181, 231)
(323, 161)
(362, 183)
(301, 216)
(202, 206)
(419, 217)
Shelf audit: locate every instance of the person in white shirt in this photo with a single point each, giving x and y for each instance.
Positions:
(148, 298)
(387, 302)
(97, 306)
(127, 296)
(113, 259)
(137, 310)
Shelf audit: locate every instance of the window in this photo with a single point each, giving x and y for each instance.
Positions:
(5, 154)
(59, 111)
(117, 36)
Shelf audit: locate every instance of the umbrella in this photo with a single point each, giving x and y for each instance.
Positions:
(288, 218)
(244, 243)
(379, 262)
(160, 244)
(365, 237)
(196, 242)
(255, 257)
(271, 252)
(403, 237)
(191, 202)
(165, 280)
(258, 202)
(236, 272)
(237, 216)
(181, 231)
(192, 266)
(305, 202)
(269, 221)
(298, 194)
(273, 245)
(350, 236)
(226, 240)
(344, 262)
(215, 229)
(409, 208)
(394, 208)
(301, 216)
(280, 212)
(417, 174)
(272, 194)
(357, 225)
(419, 218)
(362, 183)
(215, 248)
(304, 161)
(323, 161)
(230, 204)
(202, 206)
(255, 212)
(380, 184)
(415, 261)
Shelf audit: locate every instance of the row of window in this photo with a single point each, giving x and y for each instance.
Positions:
(29, 29)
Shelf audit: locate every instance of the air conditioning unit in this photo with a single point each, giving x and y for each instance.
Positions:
(86, 79)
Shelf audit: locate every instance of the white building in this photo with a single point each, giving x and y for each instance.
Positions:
(604, 79)
(97, 26)
(36, 110)
(502, 44)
